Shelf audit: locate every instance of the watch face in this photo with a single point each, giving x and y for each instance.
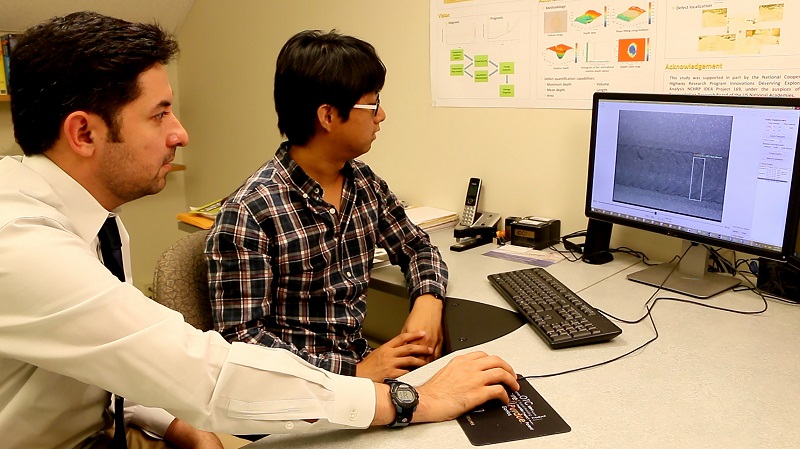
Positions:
(405, 395)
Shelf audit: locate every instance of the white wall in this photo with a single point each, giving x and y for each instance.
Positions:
(532, 161)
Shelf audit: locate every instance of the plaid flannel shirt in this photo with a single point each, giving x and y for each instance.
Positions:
(287, 271)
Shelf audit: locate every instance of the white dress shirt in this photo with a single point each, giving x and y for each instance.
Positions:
(70, 332)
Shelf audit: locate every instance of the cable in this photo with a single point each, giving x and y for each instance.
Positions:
(642, 346)
(565, 253)
(722, 264)
(605, 362)
(648, 314)
(638, 254)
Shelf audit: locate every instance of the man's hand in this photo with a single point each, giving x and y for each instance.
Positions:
(464, 383)
(182, 435)
(426, 315)
(395, 357)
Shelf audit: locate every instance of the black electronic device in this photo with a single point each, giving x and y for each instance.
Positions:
(560, 316)
(782, 279)
(533, 232)
(779, 279)
(471, 202)
(715, 170)
(794, 257)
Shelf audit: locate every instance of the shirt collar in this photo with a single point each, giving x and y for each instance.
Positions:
(75, 202)
(298, 175)
(292, 170)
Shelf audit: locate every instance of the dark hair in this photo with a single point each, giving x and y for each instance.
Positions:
(83, 61)
(316, 68)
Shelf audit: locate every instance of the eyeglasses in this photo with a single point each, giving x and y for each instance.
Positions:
(373, 107)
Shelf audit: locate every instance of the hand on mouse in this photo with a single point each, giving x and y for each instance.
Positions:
(464, 383)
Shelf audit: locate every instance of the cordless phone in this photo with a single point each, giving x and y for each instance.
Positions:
(471, 203)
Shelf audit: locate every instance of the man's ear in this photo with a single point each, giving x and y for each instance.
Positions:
(326, 115)
(81, 131)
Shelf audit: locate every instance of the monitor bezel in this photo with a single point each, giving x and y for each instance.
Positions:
(792, 215)
(794, 255)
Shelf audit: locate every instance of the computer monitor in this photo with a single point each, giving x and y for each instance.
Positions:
(794, 257)
(719, 171)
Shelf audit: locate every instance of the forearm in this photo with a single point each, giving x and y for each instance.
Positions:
(428, 303)
(426, 315)
(426, 272)
(410, 247)
(384, 410)
(330, 361)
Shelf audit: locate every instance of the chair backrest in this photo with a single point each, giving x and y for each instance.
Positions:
(180, 281)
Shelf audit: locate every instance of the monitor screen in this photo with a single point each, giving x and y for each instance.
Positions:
(712, 170)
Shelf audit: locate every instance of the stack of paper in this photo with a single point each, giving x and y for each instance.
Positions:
(203, 216)
(430, 218)
(196, 220)
(209, 210)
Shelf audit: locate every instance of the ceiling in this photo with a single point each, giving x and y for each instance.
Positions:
(17, 15)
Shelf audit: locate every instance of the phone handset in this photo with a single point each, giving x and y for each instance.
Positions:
(471, 203)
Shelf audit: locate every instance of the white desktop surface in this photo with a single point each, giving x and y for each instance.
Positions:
(712, 379)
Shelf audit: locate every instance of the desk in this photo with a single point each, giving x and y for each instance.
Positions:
(712, 379)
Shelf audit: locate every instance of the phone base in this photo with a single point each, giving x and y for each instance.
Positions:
(469, 243)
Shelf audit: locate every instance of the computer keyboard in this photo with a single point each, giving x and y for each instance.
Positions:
(559, 315)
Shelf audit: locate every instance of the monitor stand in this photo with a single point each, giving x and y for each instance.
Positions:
(690, 277)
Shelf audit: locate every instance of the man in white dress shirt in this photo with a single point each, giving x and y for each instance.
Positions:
(91, 107)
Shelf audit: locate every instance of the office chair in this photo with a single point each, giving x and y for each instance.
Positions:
(180, 281)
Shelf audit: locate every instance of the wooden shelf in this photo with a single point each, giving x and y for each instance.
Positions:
(178, 167)
(5, 98)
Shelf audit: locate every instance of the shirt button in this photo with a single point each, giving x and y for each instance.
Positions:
(349, 274)
(353, 416)
(332, 211)
(289, 425)
(305, 195)
(316, 190)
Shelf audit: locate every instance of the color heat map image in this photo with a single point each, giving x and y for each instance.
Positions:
(631, 14)
(560, 50)
(588, 17)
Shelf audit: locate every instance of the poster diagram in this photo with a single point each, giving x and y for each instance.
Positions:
(481, 69)
(557, 53)
(486, 56)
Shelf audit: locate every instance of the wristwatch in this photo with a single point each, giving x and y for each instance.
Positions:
(405, 400)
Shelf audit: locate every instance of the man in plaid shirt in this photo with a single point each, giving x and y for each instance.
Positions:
(290, 253)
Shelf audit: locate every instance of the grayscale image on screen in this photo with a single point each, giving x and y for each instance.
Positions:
(673, 162)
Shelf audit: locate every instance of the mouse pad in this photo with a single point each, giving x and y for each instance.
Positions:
(528, 415)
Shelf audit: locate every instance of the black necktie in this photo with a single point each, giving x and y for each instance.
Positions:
(111, 249)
